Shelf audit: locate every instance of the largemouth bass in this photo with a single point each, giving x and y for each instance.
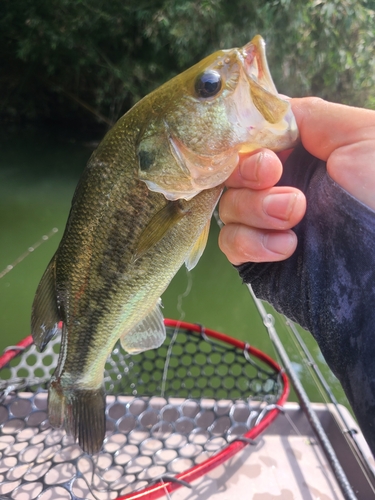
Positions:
(141, 209)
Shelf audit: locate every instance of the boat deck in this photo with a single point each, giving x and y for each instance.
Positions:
(285, 462)
(288, 463)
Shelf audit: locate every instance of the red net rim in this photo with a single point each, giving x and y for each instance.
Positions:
(159, 489)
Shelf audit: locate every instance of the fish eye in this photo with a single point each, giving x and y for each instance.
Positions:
(208, 84)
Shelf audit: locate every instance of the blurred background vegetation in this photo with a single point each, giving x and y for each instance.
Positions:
(70, 68)
(91, 60)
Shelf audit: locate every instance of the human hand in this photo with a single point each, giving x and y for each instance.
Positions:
(258, 215)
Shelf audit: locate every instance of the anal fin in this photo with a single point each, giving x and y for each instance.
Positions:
(45, 313)
(149, 333)
(81, 412)
(198, 248)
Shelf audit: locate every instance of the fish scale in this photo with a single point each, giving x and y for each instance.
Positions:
(141, 209)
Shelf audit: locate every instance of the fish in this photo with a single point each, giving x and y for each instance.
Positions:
(142, 209)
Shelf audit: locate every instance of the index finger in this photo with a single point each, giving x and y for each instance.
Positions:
(259, 170)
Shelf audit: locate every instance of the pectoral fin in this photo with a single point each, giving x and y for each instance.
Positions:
(45, 313)
(158, 226)
(272, 107)
(198, 248)
(147, 334)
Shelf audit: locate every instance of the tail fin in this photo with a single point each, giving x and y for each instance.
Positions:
(81, 412)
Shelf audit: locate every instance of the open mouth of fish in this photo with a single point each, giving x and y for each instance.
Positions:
(255, 64)
(275, 115)
(259, 116)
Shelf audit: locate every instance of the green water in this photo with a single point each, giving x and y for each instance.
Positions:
(39, 169)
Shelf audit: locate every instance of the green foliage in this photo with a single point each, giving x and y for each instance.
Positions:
(59, 57)
(328, 49)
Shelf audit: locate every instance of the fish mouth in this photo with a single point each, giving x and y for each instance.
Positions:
(255, 64)
(274, 108)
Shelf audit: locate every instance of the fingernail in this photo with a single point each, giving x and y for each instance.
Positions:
(280, 243)
(280, 205)
(248, 170)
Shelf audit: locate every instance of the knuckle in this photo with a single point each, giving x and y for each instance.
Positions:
(241, 203)
(315, 104)
(240, 242)
(232, 241)
(223, 206)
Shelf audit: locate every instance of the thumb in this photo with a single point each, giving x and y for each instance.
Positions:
(325, 126)
(344, 137)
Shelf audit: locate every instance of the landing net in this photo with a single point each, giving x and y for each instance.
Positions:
(173, 414)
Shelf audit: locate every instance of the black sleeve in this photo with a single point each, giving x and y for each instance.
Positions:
(328, 284)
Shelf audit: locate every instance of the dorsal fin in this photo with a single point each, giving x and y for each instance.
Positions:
(198, 248)
(149, 333)
(45, 313)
